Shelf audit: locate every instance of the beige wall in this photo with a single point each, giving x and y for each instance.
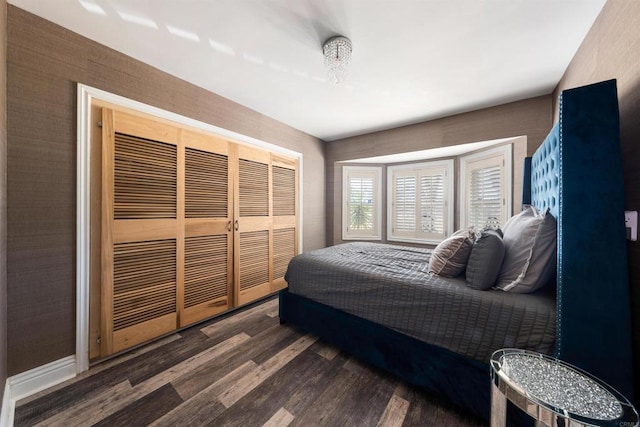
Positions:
(611, 50)
(44, 64)
(3, 195)
(530, 118)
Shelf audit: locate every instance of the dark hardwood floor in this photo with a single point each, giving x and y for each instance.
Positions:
(241, 370)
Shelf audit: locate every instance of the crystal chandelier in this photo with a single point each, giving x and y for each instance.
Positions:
(337, 57)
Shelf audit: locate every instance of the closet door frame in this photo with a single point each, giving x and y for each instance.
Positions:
(87, 98)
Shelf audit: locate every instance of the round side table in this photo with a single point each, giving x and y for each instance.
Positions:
(554, 393)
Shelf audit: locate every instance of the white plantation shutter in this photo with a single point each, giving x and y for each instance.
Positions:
(361, 202)
(405, 203)
(485, 193)
(433, 203)
(485, 196)
(419, 208)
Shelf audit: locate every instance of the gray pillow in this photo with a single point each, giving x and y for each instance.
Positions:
(485, 260)
(449, 258)
(530, 251)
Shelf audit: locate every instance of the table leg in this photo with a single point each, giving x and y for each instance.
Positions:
(498, 407)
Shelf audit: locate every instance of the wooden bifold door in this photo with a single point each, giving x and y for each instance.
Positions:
(191, 225)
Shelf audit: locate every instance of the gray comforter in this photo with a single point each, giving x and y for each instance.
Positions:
(390, 285)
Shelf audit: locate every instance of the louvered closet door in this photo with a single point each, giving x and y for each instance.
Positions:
(284, 173)
(266, 211)
(208, 244)
(140, 242)
(253, 225)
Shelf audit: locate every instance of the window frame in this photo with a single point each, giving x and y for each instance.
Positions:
(503, 151)
(363, 171)
(448, 219)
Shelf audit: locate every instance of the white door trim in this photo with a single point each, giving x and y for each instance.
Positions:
(85, 95)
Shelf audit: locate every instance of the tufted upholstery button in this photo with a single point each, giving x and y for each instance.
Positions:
(544, 180)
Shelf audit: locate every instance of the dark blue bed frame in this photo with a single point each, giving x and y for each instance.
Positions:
(577, 173)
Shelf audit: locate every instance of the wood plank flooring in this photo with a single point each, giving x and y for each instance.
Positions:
(240, 370)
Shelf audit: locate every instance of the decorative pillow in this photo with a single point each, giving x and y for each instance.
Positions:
(449, 258)
(485, 260)
(530, 243)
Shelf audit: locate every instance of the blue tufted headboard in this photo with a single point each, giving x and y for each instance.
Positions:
(577, 173)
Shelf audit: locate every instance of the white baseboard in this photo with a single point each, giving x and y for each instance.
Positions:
(32, 381)
(8, 407)
(42, 377)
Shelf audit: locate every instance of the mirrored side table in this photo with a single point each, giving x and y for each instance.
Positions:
(554, 393)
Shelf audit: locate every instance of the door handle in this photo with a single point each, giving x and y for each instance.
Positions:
(229, 226)
(237, 225)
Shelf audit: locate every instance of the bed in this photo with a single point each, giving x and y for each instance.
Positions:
(585, 319)
(391, 286)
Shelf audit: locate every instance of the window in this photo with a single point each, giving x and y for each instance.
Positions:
(485, 193)
(361, 202)
(420, 208)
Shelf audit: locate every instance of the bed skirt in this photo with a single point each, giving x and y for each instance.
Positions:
(462, 381)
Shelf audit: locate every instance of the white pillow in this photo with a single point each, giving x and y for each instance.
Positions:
(530, 242)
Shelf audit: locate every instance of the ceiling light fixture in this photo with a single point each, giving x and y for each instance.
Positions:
(337, 57)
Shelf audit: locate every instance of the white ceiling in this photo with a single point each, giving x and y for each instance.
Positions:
(413, 60)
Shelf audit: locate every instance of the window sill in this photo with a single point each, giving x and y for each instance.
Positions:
(418, 241)
(361, 238)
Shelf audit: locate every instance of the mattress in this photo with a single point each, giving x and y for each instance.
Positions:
(390, 285)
